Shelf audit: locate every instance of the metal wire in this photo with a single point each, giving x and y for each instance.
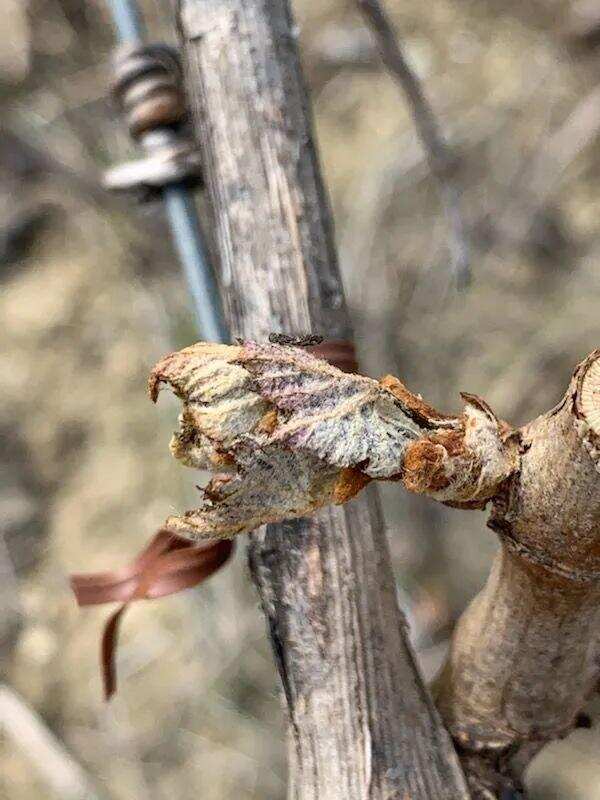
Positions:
(127, 20)
(181, 210)
(190, 247)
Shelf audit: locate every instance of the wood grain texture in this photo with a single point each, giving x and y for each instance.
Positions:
(361, 723)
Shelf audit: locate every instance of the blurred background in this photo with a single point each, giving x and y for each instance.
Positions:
(91, 296)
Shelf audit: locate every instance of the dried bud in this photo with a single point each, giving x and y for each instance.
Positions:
(292, 433)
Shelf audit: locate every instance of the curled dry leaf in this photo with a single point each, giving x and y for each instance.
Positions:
(285, 433)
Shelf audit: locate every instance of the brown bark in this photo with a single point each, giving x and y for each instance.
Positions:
(361, 723)
(524, 655)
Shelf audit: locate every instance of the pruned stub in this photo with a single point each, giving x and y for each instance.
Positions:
(550, 514)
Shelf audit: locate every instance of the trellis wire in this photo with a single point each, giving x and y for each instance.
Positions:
(181, 212)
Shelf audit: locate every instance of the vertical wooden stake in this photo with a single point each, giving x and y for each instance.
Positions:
(361, 723)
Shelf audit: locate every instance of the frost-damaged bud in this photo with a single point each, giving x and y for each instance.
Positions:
(285, 433)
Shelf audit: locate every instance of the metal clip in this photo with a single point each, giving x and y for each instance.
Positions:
(148, 89)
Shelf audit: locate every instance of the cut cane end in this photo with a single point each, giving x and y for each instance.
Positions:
(589, 394)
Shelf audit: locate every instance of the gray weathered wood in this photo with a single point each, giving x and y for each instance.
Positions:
(361, 723)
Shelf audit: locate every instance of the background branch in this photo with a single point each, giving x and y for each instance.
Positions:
(442, 162)
(46, 754)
